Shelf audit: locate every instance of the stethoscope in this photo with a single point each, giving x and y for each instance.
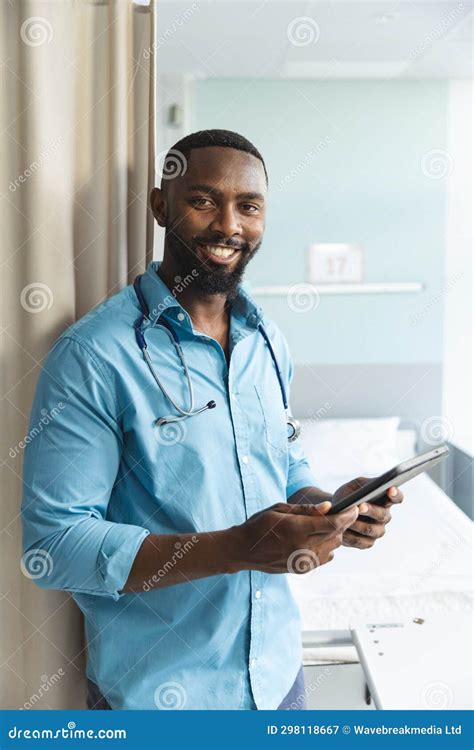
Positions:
(293, 426)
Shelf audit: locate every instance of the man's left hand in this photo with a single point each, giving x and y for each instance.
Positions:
(372, 519)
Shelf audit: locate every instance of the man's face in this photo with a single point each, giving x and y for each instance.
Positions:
(217, 206)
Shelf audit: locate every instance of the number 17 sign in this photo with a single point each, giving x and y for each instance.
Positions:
(335, 263)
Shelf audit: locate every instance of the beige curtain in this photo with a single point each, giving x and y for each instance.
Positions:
(76, 170)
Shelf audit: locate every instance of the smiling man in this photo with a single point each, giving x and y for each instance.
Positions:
(175, 538)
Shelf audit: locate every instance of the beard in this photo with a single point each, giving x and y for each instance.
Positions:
(210, 279)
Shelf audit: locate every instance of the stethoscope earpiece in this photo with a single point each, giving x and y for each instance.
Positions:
(169, 420)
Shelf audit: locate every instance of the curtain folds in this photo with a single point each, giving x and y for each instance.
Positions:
(76, 170)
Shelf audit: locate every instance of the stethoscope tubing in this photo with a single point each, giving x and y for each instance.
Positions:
(190, 412)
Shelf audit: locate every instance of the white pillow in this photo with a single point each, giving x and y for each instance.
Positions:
(350, 447)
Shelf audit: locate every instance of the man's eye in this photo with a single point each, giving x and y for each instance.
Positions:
(205, 202)
(199, 201)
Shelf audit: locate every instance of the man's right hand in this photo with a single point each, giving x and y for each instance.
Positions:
(287, 538)
(283, 538)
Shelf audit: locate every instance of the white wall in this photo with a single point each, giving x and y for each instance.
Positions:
(177, 90)
(458, 297)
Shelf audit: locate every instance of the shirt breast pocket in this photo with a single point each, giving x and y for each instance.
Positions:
(274, 418)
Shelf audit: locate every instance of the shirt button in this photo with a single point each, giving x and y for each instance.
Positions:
(245, 459)
(258, 594)
(181, 316)
(253, 663)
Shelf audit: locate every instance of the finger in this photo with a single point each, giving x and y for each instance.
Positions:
(349, 487)
(374, 530)
(333, 524)
(394, 494)
(325, 558)
(325, 551)
(352, 539)
(383, 502)
(304, 509)
(345, 518)
(313, 555)
(277, 508)
(354, 484)
(297, 510)
(331, 543)
(378, 513)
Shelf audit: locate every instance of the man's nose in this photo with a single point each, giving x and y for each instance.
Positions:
(227, 222)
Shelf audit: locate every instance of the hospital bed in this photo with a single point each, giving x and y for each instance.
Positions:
(421, 569)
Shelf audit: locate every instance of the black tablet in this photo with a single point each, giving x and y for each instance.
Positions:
(375, 489)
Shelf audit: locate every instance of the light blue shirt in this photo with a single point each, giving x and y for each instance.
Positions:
(99, 476)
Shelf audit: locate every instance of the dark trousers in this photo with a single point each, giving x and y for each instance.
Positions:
(295, 700)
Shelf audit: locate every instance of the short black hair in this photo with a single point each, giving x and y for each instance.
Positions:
(203, 139)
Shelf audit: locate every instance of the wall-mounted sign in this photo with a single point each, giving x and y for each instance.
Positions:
(335, 262)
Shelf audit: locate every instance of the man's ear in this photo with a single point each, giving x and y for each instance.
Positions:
(158, 205)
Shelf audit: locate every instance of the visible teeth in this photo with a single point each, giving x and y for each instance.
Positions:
(221, 252)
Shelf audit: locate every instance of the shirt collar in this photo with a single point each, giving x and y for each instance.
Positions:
(159, 298)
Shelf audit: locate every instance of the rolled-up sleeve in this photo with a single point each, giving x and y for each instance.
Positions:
(71, 461)
(300, 473)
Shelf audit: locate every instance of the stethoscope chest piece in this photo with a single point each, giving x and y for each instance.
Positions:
(293, 428)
